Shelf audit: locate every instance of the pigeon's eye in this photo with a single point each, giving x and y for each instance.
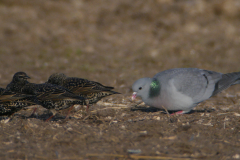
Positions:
(140, 88)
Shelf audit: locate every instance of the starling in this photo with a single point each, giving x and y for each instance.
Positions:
(92, 91)
(18, 81)
(2, 90)
(11, 102)
(50, 96)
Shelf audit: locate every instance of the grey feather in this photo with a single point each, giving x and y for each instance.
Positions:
(226, 81)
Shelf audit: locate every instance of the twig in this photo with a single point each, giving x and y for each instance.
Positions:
(111, 104)
(136, 156)
(167, 114)
(166, 111)
(109, 108)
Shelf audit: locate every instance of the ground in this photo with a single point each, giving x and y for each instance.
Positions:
(116, 43)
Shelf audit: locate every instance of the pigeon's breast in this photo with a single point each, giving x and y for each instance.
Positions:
(171, 99)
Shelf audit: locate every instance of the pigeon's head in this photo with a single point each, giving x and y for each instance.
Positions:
(141, 88)
(56, 78)
(20, 77)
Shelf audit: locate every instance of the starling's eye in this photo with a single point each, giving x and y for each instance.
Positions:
(140, 88)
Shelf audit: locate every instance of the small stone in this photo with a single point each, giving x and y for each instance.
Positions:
(123, 127)
(236, 156)
(157, 118)
(237, 114)
(70, 129)
(143, 132)
(109, 117)
(123, 114)
(157, 152)
(134, 151)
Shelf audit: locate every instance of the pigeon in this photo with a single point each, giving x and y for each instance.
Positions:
(182, 89)
(11, 102)
(52, 97)
(92, 91)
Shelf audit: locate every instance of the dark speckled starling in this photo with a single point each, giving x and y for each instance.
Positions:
(92, 91)
(18, 81)
(2, 90)
(50, 96)
(11, 102)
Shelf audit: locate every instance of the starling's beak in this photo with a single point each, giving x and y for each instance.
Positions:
(134, 95)
(27, 77)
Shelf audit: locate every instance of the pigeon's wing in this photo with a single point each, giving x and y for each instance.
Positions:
(195, 83)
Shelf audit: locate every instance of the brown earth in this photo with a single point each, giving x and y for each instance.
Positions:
(116, 43)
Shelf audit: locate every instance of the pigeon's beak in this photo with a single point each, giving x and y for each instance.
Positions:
(134, 95)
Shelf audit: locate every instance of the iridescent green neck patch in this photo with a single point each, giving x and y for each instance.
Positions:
(154, 88)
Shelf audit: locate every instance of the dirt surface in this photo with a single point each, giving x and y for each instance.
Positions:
(115, 43)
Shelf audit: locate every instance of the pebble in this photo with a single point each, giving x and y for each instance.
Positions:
(134, 151)
(236, 156)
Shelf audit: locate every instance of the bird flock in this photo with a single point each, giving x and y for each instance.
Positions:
(59, 92)
(179, 89)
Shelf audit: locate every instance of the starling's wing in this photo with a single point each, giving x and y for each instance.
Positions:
(11, 96)
(54, 93)
(84, 86)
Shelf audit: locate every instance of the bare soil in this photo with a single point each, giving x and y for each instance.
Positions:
(115, 43)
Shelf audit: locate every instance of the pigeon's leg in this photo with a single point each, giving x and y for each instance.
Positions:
(54, 113)
(179, 112)
(69, 111)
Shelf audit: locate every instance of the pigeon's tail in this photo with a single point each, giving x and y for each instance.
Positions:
(227, 80)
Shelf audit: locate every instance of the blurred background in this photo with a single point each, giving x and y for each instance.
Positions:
(117, 42)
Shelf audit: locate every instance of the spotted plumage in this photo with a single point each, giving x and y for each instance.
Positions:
(92, 91)
(2, 90)
(11, 102)
(52, 97)
(19, 80)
